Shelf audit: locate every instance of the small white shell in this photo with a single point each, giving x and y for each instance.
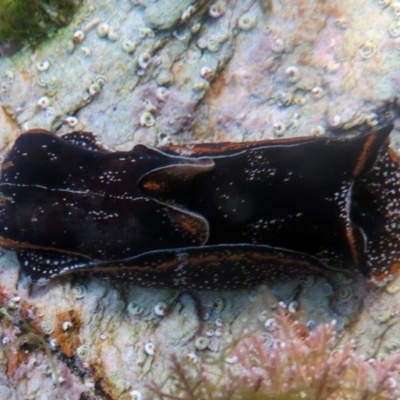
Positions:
(318, 92)
(134, 309)
(188, 13)
(103, 29)
(71, 122)
(279, 129)
(147, 119)
(217, 10)
(144, 60)
(66, 325)
(113, 34)
(149, 349)
(78, 36)
(367, 50)
(192, 357)
(162, 93)
(247, 22)
(94, 89)
(129, 46)
(43, 102)
(278, 46)
(292, 74)
(206, 72)
(146, 33)
(201, 343)
(43, 66)
(136, 395)
(160, 309)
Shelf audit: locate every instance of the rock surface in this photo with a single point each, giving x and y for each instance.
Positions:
(206, 71)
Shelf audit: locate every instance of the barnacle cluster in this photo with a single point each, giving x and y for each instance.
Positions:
(33, 20)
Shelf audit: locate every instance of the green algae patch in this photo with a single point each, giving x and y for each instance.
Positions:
(32, 21)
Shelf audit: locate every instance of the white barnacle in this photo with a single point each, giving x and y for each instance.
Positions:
(78, 36)
(83, 351)
(144, 60)
(147, 119)
(206, 72)
(103, 29)
(149, 349)
(247, 22)
(188, 13)
(278, 46)
(160, 309)
(213, 45)
(279, 128)
(113, 34)
(201, 43)
(372, 119)
(71, 121)
(94, 89)
(201, 343)
(367, 50)
(136, 395)
(100, 80)
(43, 65)
(232, 359)
(47, 327)
(129, 46)
(217, 10)
(293, 74)
(43, 102)
(134, 309)
(192, 357)
(146, 33)
(162, 93)
(335, 121)
(79, 291)
(67, 325)
(270, 324)
(293, 306)
(218, 305)
(317, 92)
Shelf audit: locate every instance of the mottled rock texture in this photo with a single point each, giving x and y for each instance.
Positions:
(205, 71)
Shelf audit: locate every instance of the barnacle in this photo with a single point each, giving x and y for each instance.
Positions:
(71, 121)
(43, 102)
(83, 351)
(78, 36)
(47, 327)
(201, 343)
(134, 309)
(278, 46)
(367, 50)
(160, 309)
(43, 66)
(128, 46)
(217, 10)
(247, 22)
(292, 74)
(102, 29)
(149, 349)
(147, 119)
(113, 34)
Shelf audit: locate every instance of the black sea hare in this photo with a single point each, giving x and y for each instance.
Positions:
(207, 216)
